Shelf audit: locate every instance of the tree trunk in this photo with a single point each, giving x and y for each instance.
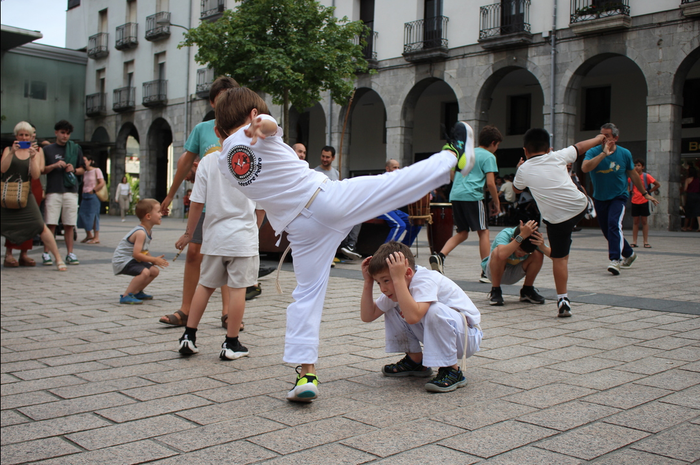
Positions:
(285, 117)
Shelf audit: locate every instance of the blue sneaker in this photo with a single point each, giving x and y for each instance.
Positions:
(143, 296)
(129, 299)
(448, 379)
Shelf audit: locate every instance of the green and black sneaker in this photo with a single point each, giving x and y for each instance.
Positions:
(461, 141)
(305, 388)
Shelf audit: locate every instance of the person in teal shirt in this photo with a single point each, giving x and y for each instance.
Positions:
(467, 197)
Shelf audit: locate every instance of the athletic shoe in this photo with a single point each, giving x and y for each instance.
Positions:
(265, 270)
(448, 379)
(187, 347)
(627, 262)
(350, 253)
(129, 299)
(71, 259)
(461, 141)
(407, 367)
(46, 259)
(614, 267)
(496, 297)
(484, 279)
(305, 388)
(143, 296)
(564, 306)
(437, 263)
(531, 296)
(252, 292)
(232, 351)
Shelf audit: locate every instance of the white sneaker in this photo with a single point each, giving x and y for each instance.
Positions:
(627, 262)
(614, 267)
(187, 347)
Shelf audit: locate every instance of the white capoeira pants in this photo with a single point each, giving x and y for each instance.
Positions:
(314, 237)
(441, 331)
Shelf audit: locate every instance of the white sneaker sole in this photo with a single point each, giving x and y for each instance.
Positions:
(227, 354)
(469, 156)
(304, 393)
(187, 349)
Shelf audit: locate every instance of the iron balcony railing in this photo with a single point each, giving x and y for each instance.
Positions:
(205, 76)
(158, 26)
(155, 93)
(124, 99)
(425, 34)
(212, 9)
(96, 104)
(585, 10)
(507, 17)
(127, 36)
(98, 45)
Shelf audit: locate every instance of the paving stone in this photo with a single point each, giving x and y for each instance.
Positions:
(73, 406)
(429, 454)
(630, 353)
(99, 387)
(627, 396)
(10, 417)
(546, 396)
(585, 365)
(651, 365)
(635, 457)
(331, 453)
(238, 452)
(688, 398)
(52, 372)
(591, 441)
(532, 455)
(653, 417)
(681, 442)
(675, 380)
(39, 385)
(134, 452)
(516, 365)
(243, 390)
(25, 399)
(482, 414)
(603, 379)
(48, 428)
(157, 391)
(218, 412)
(31, 451)
(564, 417)
(152, 408)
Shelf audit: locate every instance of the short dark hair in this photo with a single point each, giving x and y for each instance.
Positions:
(536, 141)
(63, 125)
(330, 149)
(219, 85)
(639, 160)
(378, 262)
(526, 245)
(488, 135)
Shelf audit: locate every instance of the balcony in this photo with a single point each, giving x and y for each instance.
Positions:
(155, 93)
(212, 10)
(596, 16)
(96, 104)
(205, 76)
(124, 99)
(505, 24)
(98, 46)
(426, 39)
(690, 8)
(158, 26)
(127, 36)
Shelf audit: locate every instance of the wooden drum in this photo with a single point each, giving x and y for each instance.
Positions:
(419, 212)
(440, 230)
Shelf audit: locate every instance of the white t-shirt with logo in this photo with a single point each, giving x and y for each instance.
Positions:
(269, 173)
(230, 229)
(556, 195)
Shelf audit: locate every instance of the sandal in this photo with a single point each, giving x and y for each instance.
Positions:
(633, 245)
(175, 319)
(93, 241)
(647, 246)
(224, 323)
(11, 262)
(87, 239)
(61, 266)
(26, 261)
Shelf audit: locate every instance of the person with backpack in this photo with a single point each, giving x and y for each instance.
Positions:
(640, 205)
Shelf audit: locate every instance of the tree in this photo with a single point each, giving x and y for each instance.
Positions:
(290, 49)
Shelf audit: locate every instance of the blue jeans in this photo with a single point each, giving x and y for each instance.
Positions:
(89, 213)
(610, 215)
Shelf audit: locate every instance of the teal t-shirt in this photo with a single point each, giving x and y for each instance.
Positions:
(471, 188)
(503, 238)
(203, 140)
(610, 176)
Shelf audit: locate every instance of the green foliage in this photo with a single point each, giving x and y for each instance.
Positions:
(134, 199)
(293, 48)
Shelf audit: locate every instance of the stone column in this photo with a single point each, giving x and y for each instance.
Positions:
(399, 145)
(663, 157)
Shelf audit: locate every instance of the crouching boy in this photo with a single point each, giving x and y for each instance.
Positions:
(420, 306)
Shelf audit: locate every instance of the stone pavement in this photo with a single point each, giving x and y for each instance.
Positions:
(86, 380)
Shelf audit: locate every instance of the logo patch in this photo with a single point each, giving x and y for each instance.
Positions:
(243, 164)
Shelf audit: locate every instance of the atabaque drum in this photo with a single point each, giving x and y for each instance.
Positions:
(440, 230)
(419, 212)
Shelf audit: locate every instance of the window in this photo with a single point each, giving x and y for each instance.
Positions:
(518, 114)
(129, 73)
(159, 68)
(103, 21)
(596, 108)
(131, 11)
(35, 89)
(691, 109)
(449, 116)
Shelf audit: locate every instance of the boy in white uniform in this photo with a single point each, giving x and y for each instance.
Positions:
(420, 305)
(230, 253)
(315, 212)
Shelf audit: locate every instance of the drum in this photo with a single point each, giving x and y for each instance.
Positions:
(419, 212)
(440, 230)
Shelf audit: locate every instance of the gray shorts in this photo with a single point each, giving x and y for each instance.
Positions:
(234, 272)
(511, 275)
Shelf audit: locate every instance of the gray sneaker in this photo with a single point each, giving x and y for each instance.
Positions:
(614, 267)
(626, 262)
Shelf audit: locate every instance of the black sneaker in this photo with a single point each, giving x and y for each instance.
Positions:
(265, 270)
(407, 367)
(252, 292)
(187, 347)
(461, 141)
(232, 352)
(448, 379)
(496, 297)
(437, 263)
(484, 279)
(564, 306)
(350, 254)
(531, 296)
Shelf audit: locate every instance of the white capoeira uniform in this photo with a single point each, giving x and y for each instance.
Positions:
(317, 214)
(442, 329)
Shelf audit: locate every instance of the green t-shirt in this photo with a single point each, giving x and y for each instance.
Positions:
(503, 238)
(471, 188)
(203, 140)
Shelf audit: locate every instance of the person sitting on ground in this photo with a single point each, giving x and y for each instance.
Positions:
(131, 256)
(516, 253)
(420, 306)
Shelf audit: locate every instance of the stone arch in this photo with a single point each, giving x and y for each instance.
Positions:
(117, 157)
(309, 128)
(154, 160)
(364, 144)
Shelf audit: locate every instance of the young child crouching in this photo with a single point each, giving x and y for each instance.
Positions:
(131, 255)
(420, 306)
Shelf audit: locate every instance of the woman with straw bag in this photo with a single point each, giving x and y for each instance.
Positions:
(20, 217)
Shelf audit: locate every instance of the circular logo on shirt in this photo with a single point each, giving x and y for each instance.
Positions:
(242, 163)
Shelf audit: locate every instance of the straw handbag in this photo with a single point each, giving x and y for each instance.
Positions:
(14, 194)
